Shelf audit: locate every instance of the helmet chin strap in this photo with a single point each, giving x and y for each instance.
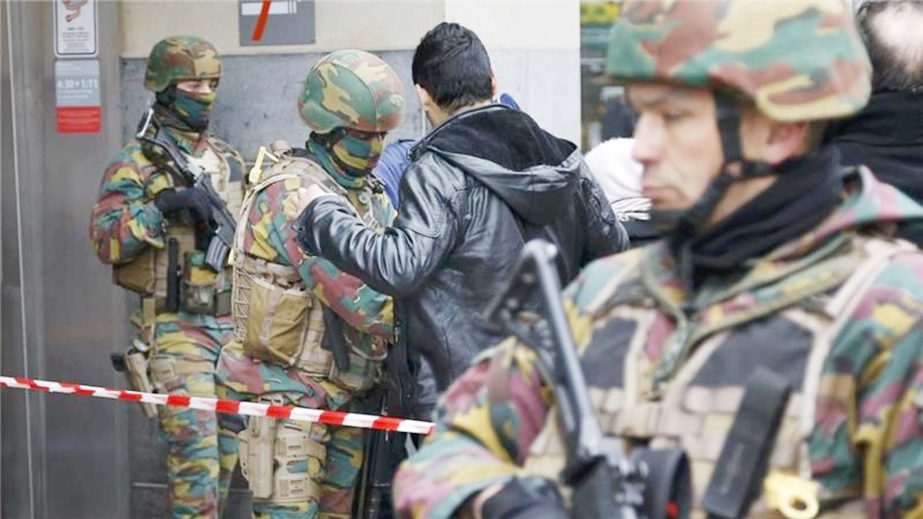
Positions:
(691, 222)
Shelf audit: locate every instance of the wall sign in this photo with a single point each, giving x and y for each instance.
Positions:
(75, 28)
(77, 96)
(276, 22)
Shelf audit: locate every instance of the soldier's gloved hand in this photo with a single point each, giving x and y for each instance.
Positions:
(525, 498)
(170, 201)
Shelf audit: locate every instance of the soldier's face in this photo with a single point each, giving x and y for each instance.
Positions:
(677, 142)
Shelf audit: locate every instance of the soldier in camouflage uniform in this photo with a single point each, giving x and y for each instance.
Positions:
(143, 208)
(773, 257)
(306, 333)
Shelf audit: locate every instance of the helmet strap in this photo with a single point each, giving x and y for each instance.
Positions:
(692, 220)
(727, 113)
(734, 168)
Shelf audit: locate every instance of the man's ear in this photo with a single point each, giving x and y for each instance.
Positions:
(493, 83)
(785, 140)
(426, 100)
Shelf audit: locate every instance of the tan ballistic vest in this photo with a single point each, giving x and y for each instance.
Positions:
(696, 408)
(275, 318)
(202, 291)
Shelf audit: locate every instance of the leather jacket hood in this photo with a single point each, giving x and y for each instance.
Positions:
(537, 181)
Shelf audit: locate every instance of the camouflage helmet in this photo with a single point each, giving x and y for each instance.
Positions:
(797, 60)
(179, 58)
(351, 89)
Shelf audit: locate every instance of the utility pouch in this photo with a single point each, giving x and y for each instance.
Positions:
(164, 375)
(204, 291)
(138, 275)
(146, 274)
(256, 455)
(275, 318)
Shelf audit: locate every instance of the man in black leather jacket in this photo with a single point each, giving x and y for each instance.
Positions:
(484, 182)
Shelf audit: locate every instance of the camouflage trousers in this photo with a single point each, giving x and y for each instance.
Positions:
(335, 453)
(202, 455)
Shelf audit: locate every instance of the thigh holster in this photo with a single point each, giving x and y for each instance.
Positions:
(280, 461)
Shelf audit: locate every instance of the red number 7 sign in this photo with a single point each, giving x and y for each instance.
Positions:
(261, 21)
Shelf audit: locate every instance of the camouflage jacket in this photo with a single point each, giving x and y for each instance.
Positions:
(124, 220)
(861, 442)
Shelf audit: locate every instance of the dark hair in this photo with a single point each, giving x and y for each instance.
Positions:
(897, 61)
(452, 65)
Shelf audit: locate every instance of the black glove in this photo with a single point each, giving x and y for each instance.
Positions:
(525, 498)
(194, 199)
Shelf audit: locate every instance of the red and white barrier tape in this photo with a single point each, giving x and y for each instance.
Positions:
(364, 421)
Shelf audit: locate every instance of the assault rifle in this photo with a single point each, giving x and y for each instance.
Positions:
(223, 222)
(606, 483)
(373, 490)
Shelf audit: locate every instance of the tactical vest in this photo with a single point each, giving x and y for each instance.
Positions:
(276, 318)
(202, 291)
(694, 409)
